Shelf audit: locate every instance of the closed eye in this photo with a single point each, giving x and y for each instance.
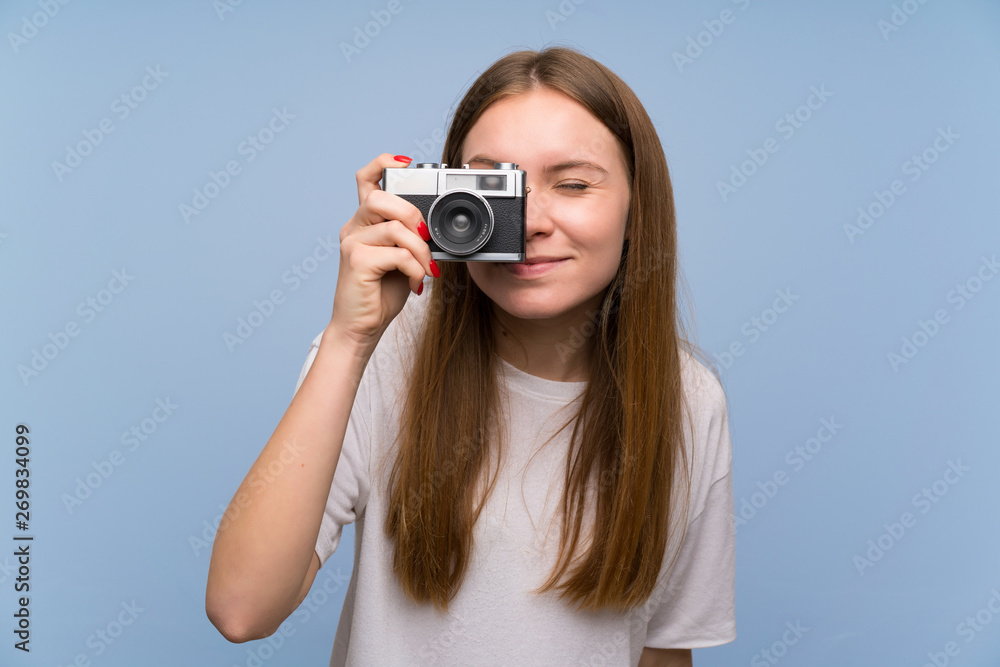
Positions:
(573, 186)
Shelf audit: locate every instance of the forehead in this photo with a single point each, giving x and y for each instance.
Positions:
(540, 125)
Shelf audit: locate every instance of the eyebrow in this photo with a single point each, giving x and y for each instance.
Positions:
(562, 166)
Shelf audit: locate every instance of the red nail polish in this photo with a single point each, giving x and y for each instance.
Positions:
(402, 158)
(420, 289)
(425, 233)
(435, 271)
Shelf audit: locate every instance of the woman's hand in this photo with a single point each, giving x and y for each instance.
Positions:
(383, 257)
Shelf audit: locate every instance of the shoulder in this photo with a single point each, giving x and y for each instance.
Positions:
(706, 432)
(703, 391)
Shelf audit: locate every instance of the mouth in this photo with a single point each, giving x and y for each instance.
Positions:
(535, 266)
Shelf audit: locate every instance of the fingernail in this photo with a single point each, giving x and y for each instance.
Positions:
(420, 289)
(435, 271)
(425, 233)
(402, 158)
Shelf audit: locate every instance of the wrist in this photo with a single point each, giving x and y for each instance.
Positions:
(348, 344)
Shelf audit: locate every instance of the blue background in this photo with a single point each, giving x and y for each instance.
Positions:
(141, 537)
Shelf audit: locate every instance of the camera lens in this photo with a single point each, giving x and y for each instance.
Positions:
(461, 222)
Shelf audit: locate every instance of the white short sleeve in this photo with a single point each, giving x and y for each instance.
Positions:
(350, 489)
(698, 607)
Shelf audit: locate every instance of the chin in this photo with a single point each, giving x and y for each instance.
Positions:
(528, 310)
(530, 300)
(534, 304)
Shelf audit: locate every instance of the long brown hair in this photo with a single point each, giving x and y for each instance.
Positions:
(626, 458)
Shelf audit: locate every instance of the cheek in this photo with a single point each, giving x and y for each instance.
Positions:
(605, 237)
(479, 272)
(606, 261)
(599, 226)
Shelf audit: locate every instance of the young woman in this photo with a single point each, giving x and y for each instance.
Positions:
(538, 466)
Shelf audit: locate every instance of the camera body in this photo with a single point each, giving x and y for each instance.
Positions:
(474, 215)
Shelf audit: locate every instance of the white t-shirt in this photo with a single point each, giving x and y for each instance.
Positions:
(495, 619)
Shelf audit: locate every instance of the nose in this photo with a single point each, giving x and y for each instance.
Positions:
(537, 213)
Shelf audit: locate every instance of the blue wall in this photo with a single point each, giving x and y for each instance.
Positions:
(835, 173)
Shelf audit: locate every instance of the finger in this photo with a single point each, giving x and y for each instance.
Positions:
(380, 206)
(370, 174)
(384, 259)
(395, 233)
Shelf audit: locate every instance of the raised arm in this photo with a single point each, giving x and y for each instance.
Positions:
(263, 559)
(266, 542)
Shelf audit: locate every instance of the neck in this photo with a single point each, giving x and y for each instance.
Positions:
(554, 348)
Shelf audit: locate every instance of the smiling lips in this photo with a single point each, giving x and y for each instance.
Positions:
(534, 266)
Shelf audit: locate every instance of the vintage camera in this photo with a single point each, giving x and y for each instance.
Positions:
(474, 215)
